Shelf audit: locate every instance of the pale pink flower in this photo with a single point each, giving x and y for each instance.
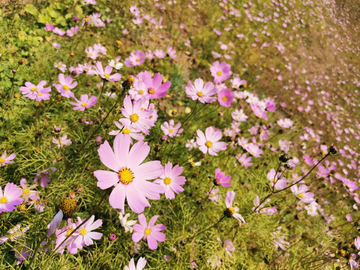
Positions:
(6, 160)
(232, 211)
(149, 232)
(171, 180)
(63, 140)
(170, 129)
(92, 53)
(10, 197)
(140, 264)
(60, 66)
(72, 31)
(220, 72)
(106, 74)
(125, 127)
(209, 142)
(84, 102)
(200, 92)
(302, 194)
(65, 85)
(85, 233)
(128, 175)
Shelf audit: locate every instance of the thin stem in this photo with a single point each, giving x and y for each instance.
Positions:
(302, 178)
(208, 228)
(102, 89)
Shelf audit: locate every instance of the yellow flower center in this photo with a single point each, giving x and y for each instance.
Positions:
(126, 176)
(212, 195)
(107, 76)
(84, 104)
(3, 200)
(224, 98)
(70, 231)
(40, 94)
(141, 92)
(2, 160)
(11, 236)
(137, 59)
(59, 66)
(208, 144)
(33, 88)
(167, 181)
(200, 94)
(301, 195)
(48, 29)
(90, 54)
(147, 231)
(134, 117)
(126, 131)
(152, 91)
(219, 73)
(66, 87)
(26, 191)
(22, 207)
(83, 231)
(86, 19)
(68, 206)
(231, 210)
(171, 130)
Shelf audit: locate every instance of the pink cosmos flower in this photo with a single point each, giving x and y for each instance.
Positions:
(230, 195)
(225, 97)
(261, 208)
(171, 130)
(279, 240)
(72, 31)
(222, 179)
(10, 197)
(154, 86)
(254, 150)
(171, 181)
(140, 264)
(129, 176)
(65, 85)
(351, 185)
(258, 111)
(210, 141)
(239, 116)
(28, 192)
(92, 53)
(159, 53)
(243, 142)
(357, 242)
(213, 196)
(229, 247)
(106, 74)
(200, 92)
(85, 233)
(100, 48)
(191, 144)
(276, 180)
(58, 31)
(56, 45)
(125, 127)
(149, 232)
(352, 261)
(244, 160)
(49, 27)
(69, 244)
(60, 66)
(61, 141)
(84, 102)
(139, 117)
(31, 91)
(139, 91)
(135, 59)
(171, 52)
(300, 192)
(14, 234)
(237, 82)
(149, 55)
(285, 123)
(43, 175)
(220, 72)
(6, 160)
